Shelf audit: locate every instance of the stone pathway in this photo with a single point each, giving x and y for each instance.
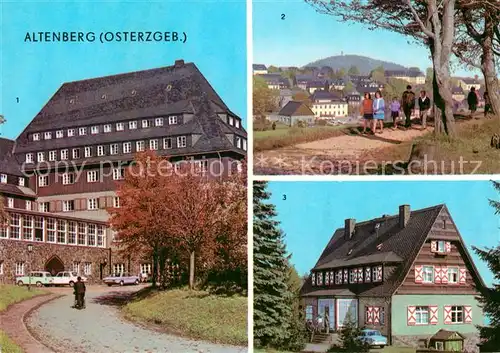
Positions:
(12, 323)
(100, 329)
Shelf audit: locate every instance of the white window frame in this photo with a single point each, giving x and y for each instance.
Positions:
(10, 202)
(118, 268)
(76, 153)
(456, 310)
(100, 150)
(127, 147)
(1, 267)
(158, 122)
(173, 120)
(244, 144)
(3, 178)
(181, 141)
(113, 149)
(237, 123)
(66, 178)
(71, 132)
(52, 156)
(29, 205)
(116, 202)
(40, 157)
(153, 144)
(87, 268)
(66, 205)
(64, 154)
(21, 181)
(43, 206)
(120, 127)
(59, 134)
(166, 142)
(132, 125)
(452, 270)
(441, 246)
(29, 158)
(19, 268)
(36, 136)
(107, 128)
(145, 124)
(88, 151)
(238, 142)
(47, 135)
(92, 176)
(427, 271)
(118, 173)
(140, 146)
(422, 312)
(94, 130)
(230, 120)
(92, 204)
(43, 180)
(82, 131)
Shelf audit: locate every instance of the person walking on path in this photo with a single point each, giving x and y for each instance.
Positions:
(487, 104)
(408, 105)
(79, 291)
(395, 109)
(367, 111)
(378, 112)
(472, 101)
(424, 105)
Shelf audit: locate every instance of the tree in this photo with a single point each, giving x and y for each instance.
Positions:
(349, 88)
(264, 99)
(431, 23)
(490, 297)
(378, 75)
(349, 337)
(353, 71)
(274, 321)
(297, 331)
(273, 69)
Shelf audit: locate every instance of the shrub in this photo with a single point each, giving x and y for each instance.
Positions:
(349, 338)
(321, 122)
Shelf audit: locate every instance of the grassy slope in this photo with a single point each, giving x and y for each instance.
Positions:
(375, 350)
(9, 295)
(195, 314)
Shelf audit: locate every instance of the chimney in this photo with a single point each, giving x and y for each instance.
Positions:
(404, 215)
(349, 228)
(179, 63)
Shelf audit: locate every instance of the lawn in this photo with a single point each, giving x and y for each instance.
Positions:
(194, 314)
(10, 294)
(385, 350)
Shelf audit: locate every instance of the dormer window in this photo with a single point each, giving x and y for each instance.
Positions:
(237, 123)
(88, 151)
(59, 134)
(172, 120)
(36, 137)
(107, 128)
(338, 277)
(181, 141)
(100, 151)
(29, 157)
(10, 202)
(353, 278)
(64, 155)
(52, 156)
(244, 145)
(82, 131)
(127, 147)
(113, 149)
(440, 246)
(76, 153)
(377, 274)
(153, 144)
(145, 124)
(3, 178)
(48, 135)
(231, 120)
(167, 143)
(132, 125)
(139, 146)
(40, 157)
(71, 132)
(21, 181)
(159, 122)
(94, 130)
(120, 127)
(238, 142)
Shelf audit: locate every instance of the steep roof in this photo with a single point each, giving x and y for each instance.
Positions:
(323, 95)
(405, 73)
(259, 67)
(8, 163)
(294, 108)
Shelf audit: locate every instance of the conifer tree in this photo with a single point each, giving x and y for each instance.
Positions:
(490, 297)
(275, 324)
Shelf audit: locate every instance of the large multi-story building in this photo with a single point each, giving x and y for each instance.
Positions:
(408, 275)
(60, 175)
(412, 75)
(326, 104)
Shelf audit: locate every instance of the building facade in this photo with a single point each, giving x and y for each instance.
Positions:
(63, 170)
(327, 105)
(408, 275)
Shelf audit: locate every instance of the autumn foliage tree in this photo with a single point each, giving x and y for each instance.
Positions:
(180, 211)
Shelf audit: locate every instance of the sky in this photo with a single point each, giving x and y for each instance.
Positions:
(30, 73)
(304, 36)
(313, 211)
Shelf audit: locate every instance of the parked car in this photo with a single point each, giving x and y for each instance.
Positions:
(38, 278)
(373, 337)
(121, 279)
(67, 278)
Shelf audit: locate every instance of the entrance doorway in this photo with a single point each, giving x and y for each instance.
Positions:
(54, 265)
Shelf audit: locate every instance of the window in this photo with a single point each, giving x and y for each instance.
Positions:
(19, 268)
(452, 275)
(36, 137)
(82, 131)
(159, 122)
(100, 151)
(153, 144)
(116, 202)
(167, 143)
(118, 268)
(428, 274)
(82, 233)
(28, 205)
(172, 120)
(118, 173)
(145, 124)
(377, 274)
(68, 205)
(91, 234)
(113, 149)
(88, 152)
(87, 268)
(439, 346)
(181, 141)
(244, 144)
(48, 135)
(107, 128)
(92, 176)
(64, 154)
(94, 130)
(43, 180)
(422, 315)
(76, 153)
(72, 239)
(237, 123)
(76, 267)
(100, 236)
(71, 132)
(132, 125)
(61, 231)
(338, 277)
(352, 276)
(51, 230)
(15, 226)
(1, 267)
(457, 314)
(231, 120)
(441, 246)
(3, 178)
(92, 204)
(40, 156)
(44, 207)
(146, 269)
(10, 202)
(139, 146)
(238, 142)
(52, 156)
(127, 147)
(59, 134)
(21, 181)
(309, 312)
(38, 228)
(29, 158)
(120, 127)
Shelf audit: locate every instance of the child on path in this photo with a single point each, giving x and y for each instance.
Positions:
(367, 111)
(378, 112)
(395, 108)
(424, 105)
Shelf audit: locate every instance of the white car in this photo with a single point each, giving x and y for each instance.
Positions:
(67, 278)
